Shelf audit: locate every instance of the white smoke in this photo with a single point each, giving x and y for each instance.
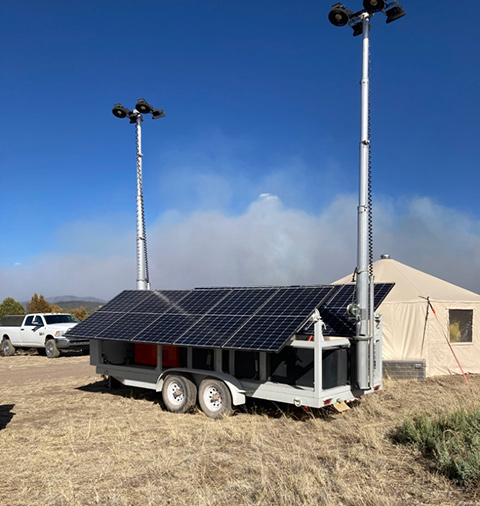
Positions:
(266, 244)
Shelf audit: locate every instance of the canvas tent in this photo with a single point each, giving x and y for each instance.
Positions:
(415, 331)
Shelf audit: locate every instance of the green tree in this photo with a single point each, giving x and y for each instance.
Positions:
(10, 306)
(38, 304)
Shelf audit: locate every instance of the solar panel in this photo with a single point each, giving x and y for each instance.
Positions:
(200, 301)
(294, 301)
(334, 310)
(166, 329)
(243, 301)
(161, 302)
(212, 331)
(283, 310)
(93, 325)
(245, 318)
(264, 333)
(381, 291)
(337, 322)
(126, 301)
(128, 326)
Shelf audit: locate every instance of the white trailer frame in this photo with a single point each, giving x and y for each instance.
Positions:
(104, 354)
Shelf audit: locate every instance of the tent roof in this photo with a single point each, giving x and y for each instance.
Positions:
(412, 284)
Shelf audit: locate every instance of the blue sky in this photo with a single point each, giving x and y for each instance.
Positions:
(252, 176)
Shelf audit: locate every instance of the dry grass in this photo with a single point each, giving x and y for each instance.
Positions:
(72, 442)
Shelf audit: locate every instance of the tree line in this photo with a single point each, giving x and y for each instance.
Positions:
(37, 304)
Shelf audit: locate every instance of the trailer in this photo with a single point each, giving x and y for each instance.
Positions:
(218, 346)
(310, 346)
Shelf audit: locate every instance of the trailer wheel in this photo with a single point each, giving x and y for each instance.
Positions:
(7, 348)
(214, 398)
(178, 393)
(51, 349)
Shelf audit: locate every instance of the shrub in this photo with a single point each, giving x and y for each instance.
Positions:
(452, 441)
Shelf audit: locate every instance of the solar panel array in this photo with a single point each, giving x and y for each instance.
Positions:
(260, 318)
(334, 309)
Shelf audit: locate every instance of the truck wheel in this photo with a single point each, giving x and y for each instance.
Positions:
(179, 393)
(7, 348)
(51, 349)
(214, 398)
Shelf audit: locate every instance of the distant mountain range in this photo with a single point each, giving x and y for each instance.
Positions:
(72, 298)
(70, 302)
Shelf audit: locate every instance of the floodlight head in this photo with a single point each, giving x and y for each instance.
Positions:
(373, 5)
(143, 106)
(339, 15)
(133, 116)
(158, 113)
(357, 28)
(395, 12)
(119, 111)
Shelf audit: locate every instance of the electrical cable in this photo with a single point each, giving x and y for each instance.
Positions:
(369, 197)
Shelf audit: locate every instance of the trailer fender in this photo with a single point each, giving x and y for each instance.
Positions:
(236, 389)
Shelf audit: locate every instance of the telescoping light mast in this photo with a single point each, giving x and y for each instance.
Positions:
(362, 309)
(136, 118)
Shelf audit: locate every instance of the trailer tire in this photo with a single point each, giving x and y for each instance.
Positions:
(179, 393)
(7, 348)
(51, 349)
(214, 398)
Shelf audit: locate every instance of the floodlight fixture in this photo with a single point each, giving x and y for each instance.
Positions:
(135, 117)
(120, 112)
(143, 106)
(339, 15)
(394, 11)
(357, 28)
(373, 5)
(158, 113)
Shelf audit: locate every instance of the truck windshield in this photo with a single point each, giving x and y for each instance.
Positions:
(60, 318)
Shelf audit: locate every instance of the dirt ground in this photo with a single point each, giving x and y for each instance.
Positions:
(65, 439)
(21, 369)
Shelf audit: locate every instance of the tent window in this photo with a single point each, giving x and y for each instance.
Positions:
(460, 325)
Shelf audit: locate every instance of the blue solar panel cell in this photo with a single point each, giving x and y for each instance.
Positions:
(128, 326)
(243, 301)
(94, 325)
(211, 331)
(166, 329)
(199, 302)
(294, 301)
(267, 333)
(161, 302)
(126, 301)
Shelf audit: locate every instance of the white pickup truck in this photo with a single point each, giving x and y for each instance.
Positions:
(44, 331)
